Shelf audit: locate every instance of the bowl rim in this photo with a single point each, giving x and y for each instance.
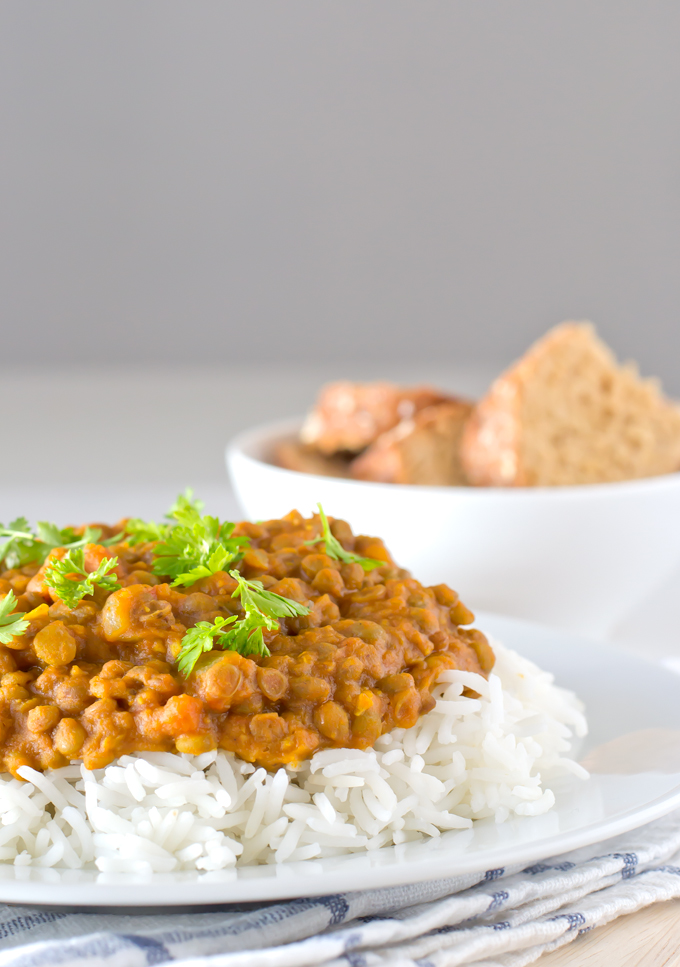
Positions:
(240, 446)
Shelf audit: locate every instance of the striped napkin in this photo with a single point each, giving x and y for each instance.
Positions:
(501, 918)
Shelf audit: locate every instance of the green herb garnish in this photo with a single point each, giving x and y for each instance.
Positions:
(335, 549)
(11, 625)
(257, 600)
(21, 545)
(199, 639)
(197, 546)
(186, 501)
(138, 531)
(72, 582)
(244, 635)
(18, 544)
(52, 536)
(190, 546)
(110, 541)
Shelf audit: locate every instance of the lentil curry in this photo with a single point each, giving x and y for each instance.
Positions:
(100, 679)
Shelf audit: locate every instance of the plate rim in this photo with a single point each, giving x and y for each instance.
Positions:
(125, 893)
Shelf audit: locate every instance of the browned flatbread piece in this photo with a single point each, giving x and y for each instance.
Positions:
(350, 416)
(567, 413)
(422, 450)
(293, 455)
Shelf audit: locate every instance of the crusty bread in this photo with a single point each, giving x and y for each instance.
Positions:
(422, 450)
(293, 455)
(566, 413)
(350, 416)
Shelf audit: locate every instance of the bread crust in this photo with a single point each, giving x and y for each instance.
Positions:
(493, 443)
(293, 455)
(348, 417)
(489, 448)
(422, 450)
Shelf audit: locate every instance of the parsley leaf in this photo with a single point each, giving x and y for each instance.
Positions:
(18, 544)
(197, 546)
(218, 561)
(244, 635)
(51, 536)
(191, 545)
(72, 582)
(11, 624)
(185, 501)
(110, 541)
(262, 608)
(254, 598)
(335, 549)
(138, 531)
(199, 639)
(24, 546)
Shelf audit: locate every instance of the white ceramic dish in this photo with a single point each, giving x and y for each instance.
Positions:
(572, 557)
(633, 752)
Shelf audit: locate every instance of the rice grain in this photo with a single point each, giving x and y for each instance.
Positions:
(157, 812)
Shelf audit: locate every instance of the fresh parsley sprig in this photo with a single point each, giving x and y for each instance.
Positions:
(20, 545)
(197, 546)
(72, 582)
(219, 560)
(199, 639)
(244, 635)
(52, 536)
(335, 550)
(189, 545)
(138, 531)
(256, 599)
(186, 501)
(11, 625)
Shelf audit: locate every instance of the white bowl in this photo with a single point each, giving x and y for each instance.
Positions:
(578, 558)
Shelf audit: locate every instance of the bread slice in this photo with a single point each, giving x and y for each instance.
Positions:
(566, 413)
(350, 416)
(293, 455)
(422, 450)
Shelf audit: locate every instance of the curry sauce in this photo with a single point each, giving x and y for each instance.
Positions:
(99, 680)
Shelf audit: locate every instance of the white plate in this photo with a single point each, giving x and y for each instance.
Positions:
(633, 752)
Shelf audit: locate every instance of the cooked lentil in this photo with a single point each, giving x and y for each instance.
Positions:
(99, 680)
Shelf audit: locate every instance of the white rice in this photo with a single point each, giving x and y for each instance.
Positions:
(157, 812)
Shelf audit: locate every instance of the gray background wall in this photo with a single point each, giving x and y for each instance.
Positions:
(431, 180)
